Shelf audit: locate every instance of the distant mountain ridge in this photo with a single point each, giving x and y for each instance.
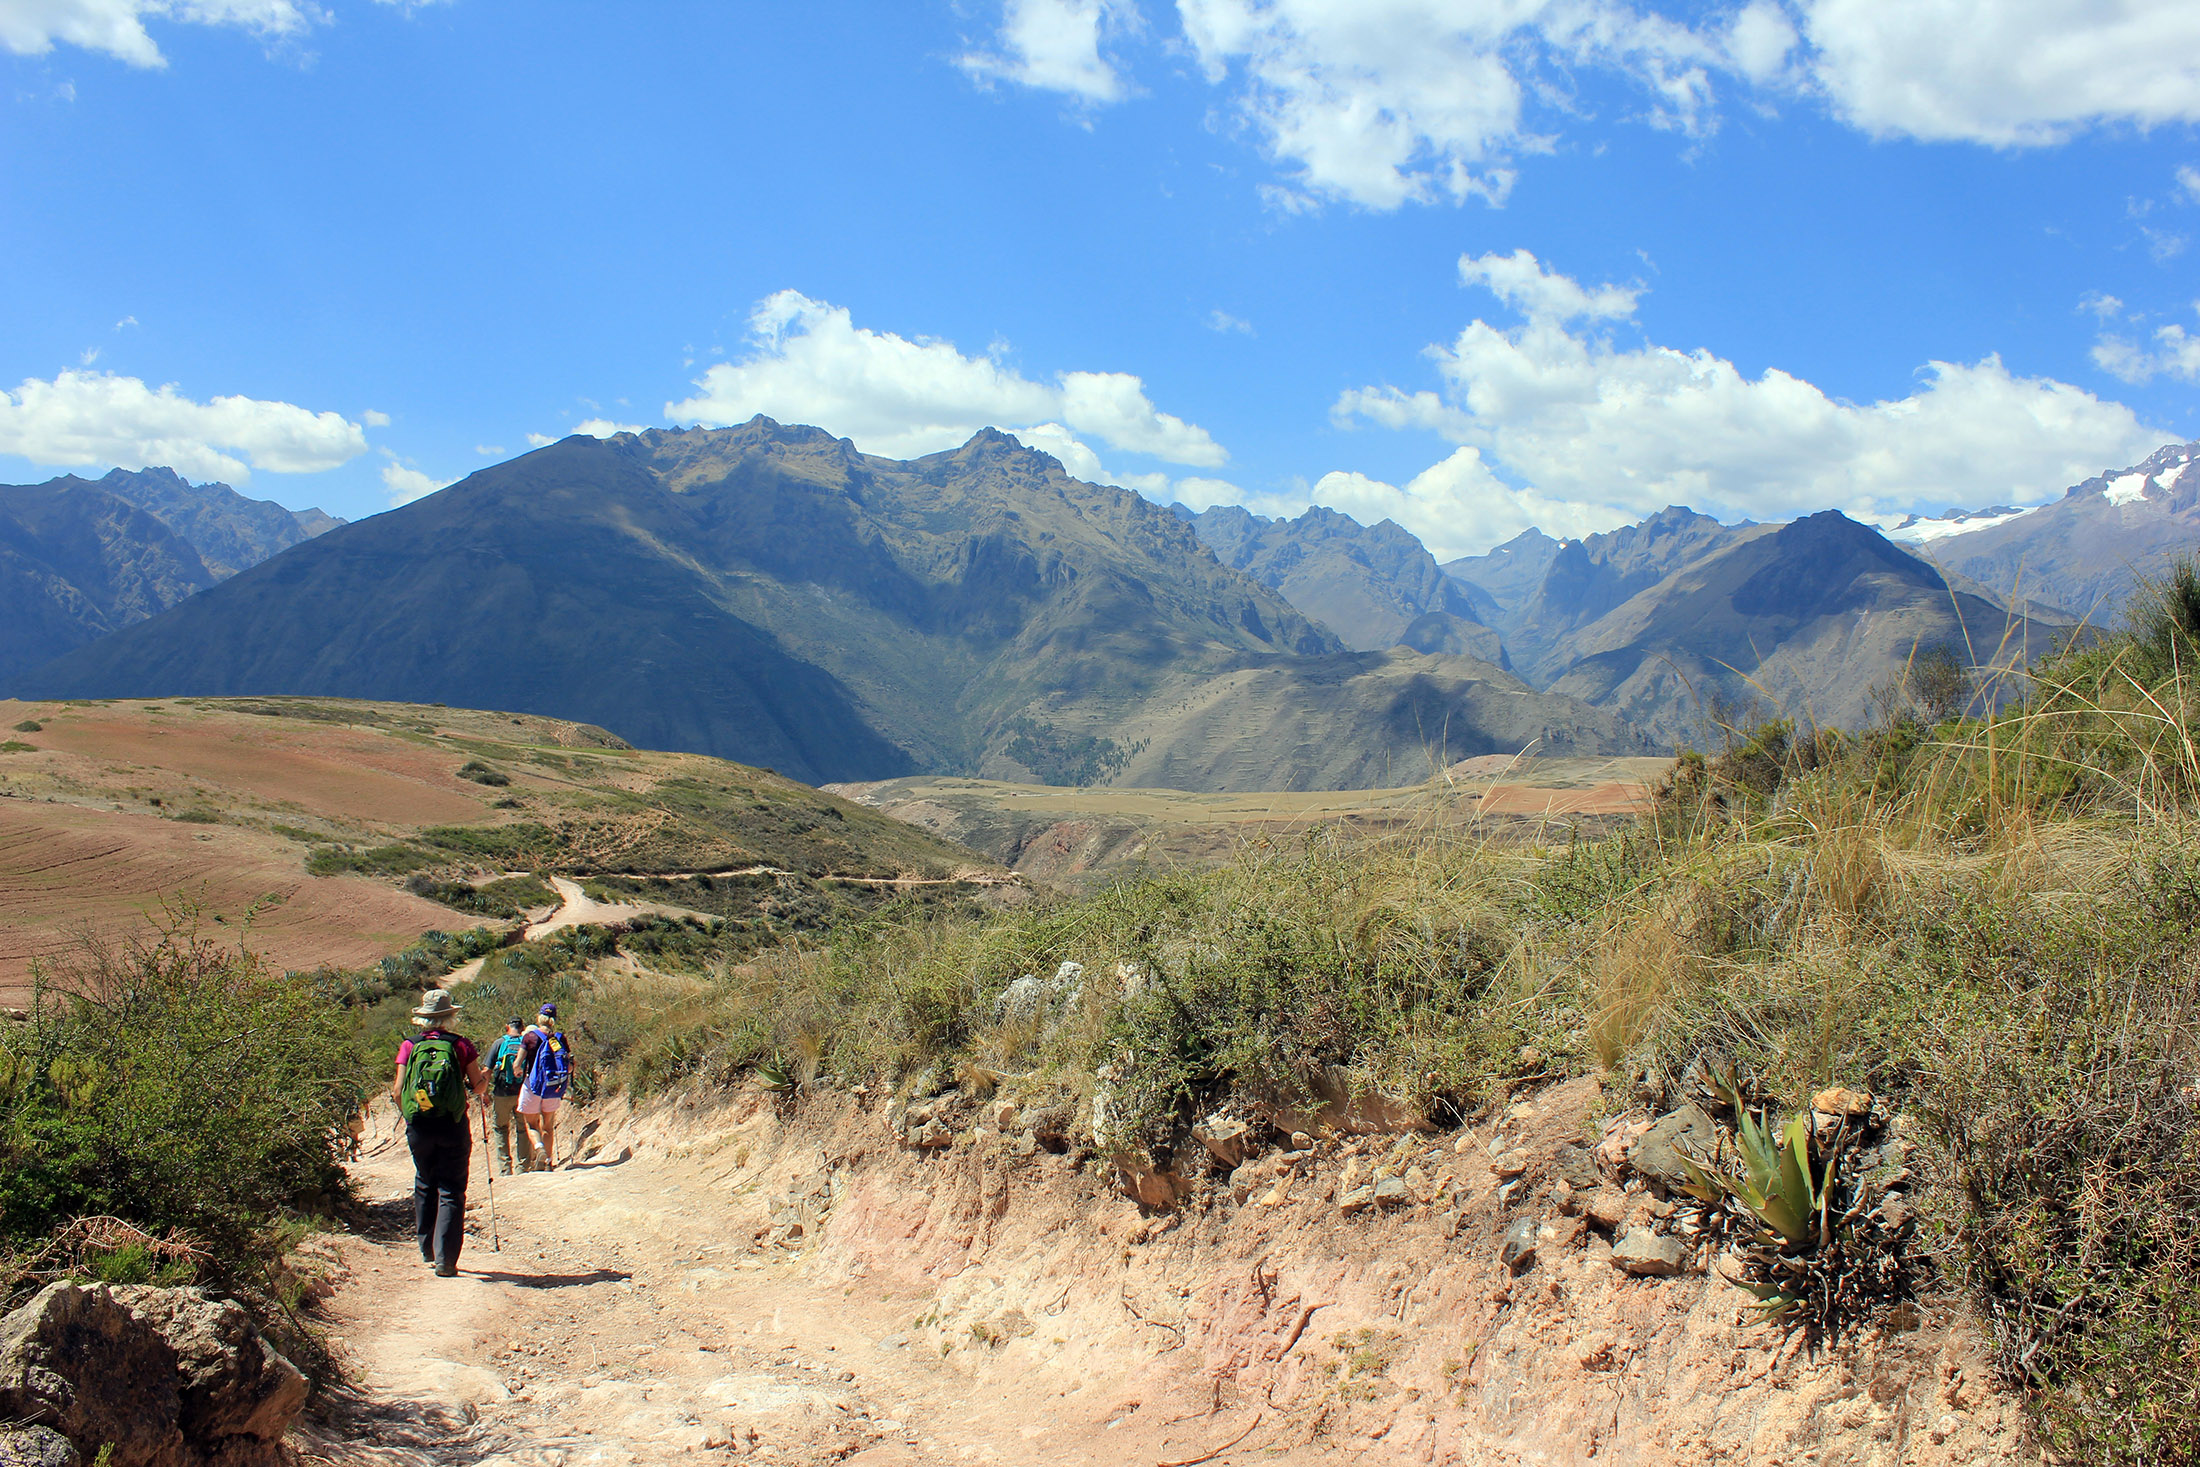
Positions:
(81, 558)
(1802, 620)
(1507, 576)
(2088, 551)
(230, 531)
(1376, 586)
(770, 594)
(77, 563)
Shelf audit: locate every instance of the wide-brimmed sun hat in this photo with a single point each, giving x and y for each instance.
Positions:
(434, 1004)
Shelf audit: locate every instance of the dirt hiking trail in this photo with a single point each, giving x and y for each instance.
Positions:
(728, 1277)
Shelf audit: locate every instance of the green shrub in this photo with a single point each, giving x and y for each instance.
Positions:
(375, 861)
(30, 725)
(505, 898)
(174, 1084)
(481, 773)
(17, 746)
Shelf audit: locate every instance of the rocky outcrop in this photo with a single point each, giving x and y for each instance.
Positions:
(166, 1377)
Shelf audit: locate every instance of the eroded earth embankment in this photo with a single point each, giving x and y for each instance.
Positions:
(845, 1279)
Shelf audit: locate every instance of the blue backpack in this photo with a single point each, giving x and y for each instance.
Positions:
(553, 1068)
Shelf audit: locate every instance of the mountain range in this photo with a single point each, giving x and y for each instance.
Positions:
(81, 558)
(1375, 586)
(2085, 553)
(770, 594)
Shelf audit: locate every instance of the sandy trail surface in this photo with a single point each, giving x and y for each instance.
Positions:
(629, 1318)
(728, 1276)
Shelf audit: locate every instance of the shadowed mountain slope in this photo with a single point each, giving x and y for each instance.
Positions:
(770, 594)
(1375, 586)
(80, 558)
(1805, 617)
(77, 563)
(1588, 579)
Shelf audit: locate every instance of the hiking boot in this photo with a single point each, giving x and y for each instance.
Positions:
(446, 1270)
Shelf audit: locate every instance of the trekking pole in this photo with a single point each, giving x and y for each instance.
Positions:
(489, 1175)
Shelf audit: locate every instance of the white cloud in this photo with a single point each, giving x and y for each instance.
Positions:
(1520, 281)
(1990, 71)
(808, 362)
(1760, 40)
(374, 419)
(1221, 320)
(2100, 305)
(117, 27)
(1594, 426)
(126, 321)
(1380, 103)
(405, 483)
(605, 428)
(540, 440)
(2188, 183)
(2176, 353)
(1386, 102)
(1459, 507)
(83, 418)
(1057, 46)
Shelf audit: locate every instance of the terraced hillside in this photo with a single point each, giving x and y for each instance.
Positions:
(303, 822)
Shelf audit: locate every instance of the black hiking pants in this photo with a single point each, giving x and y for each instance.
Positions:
(442, 1151)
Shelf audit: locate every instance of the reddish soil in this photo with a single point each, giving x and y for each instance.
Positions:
(65, 869)
(336, 773)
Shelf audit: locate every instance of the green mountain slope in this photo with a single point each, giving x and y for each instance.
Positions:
(768, 593)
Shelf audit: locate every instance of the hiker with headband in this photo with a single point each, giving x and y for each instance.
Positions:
(435, 1069)
(547, 1062)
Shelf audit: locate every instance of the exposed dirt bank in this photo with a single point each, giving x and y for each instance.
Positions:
(723, 1279)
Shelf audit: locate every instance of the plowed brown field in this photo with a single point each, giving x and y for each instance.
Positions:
(66, 870)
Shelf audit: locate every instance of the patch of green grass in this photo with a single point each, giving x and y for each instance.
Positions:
(17, 746)
(198, 815)
(393, 860)
(507, 897)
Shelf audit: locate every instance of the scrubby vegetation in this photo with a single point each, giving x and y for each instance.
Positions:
(506, 897)
(168, 1110)
(1982, 910)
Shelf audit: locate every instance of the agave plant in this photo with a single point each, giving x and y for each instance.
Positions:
(1780, 1183)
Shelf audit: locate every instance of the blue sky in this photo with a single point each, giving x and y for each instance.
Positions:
(1470, 264)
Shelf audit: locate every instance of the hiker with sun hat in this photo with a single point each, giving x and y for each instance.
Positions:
(435, 1069)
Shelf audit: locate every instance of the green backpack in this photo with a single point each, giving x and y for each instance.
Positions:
(434, 1083)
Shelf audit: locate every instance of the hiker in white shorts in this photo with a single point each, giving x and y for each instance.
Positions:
(546, 1061)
